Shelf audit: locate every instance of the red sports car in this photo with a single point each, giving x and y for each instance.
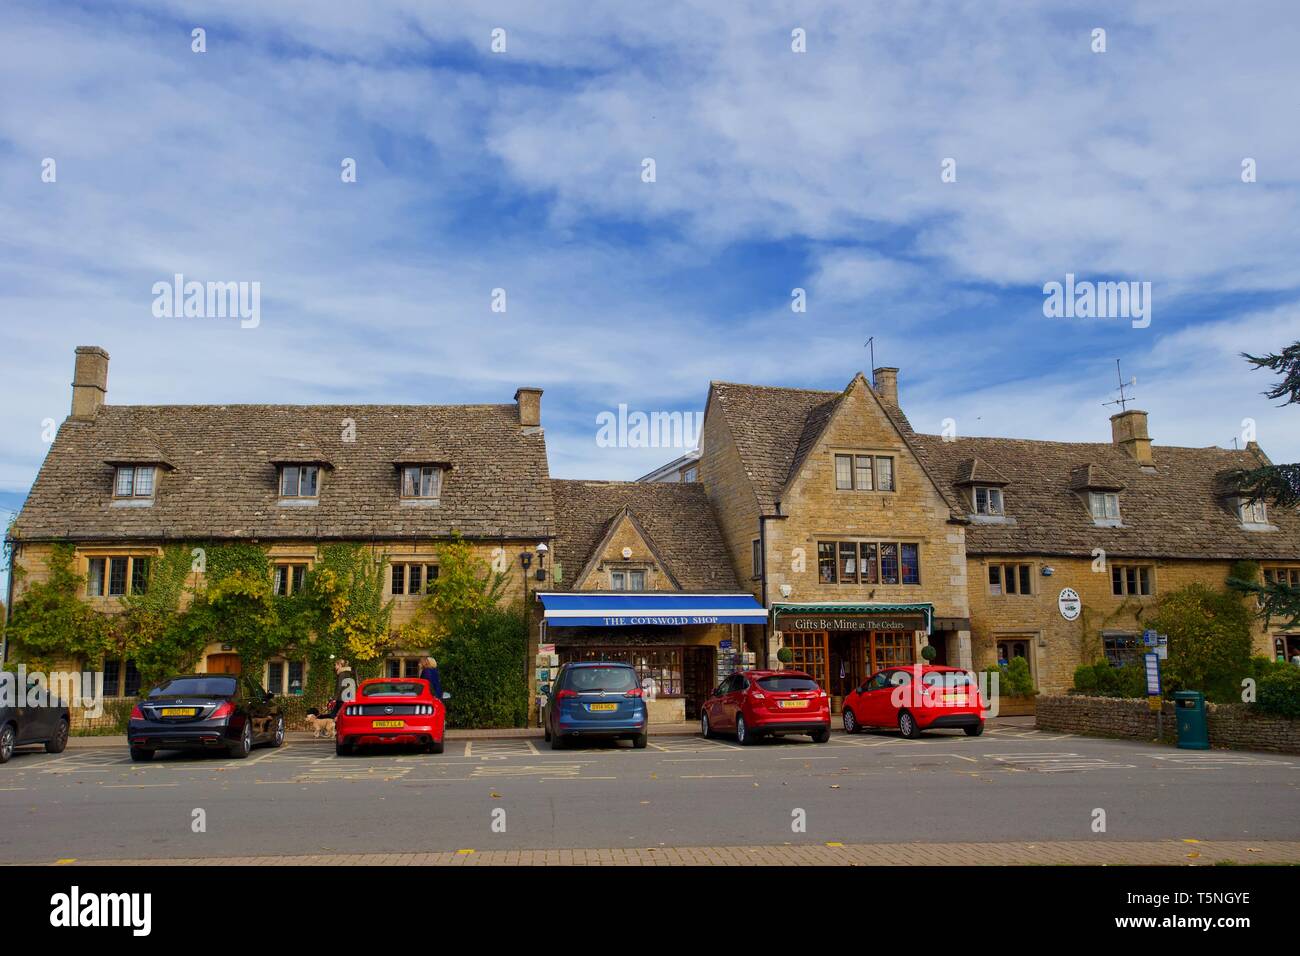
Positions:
(754, 704)
(392, 711)
(914, 698)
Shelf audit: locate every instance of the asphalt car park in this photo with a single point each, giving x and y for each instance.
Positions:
(1009, 784)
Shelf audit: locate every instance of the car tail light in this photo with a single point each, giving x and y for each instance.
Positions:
(821, 693)
(137, 713)
(566, 694)
(634, 692)
(223, 710)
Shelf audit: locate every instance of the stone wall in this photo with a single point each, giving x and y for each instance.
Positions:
(1234, 726)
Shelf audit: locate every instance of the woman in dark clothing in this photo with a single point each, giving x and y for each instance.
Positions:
(345, 686)
(429, 672)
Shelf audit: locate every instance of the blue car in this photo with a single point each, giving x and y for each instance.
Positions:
(595, 699)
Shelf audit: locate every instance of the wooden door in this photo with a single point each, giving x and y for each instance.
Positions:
(224, 664)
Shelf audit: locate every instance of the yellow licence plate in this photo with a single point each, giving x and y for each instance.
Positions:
(389, 723)
(179, 711)
(604, 706)
(794, 703)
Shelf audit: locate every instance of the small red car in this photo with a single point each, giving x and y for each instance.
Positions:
(754, 704)
(399, 711)
(914, 698)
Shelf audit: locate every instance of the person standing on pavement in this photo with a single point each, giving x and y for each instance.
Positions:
(429, 672)
(345, 686)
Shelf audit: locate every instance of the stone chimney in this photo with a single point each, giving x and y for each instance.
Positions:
(89, 381)
(1128, 432)
(886, 385)
(529, 401)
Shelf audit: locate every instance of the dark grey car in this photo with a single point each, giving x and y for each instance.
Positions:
(21, 725)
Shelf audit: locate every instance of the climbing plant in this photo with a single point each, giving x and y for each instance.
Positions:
(50, 622)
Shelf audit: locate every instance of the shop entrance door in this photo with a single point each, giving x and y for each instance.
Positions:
(697, 678)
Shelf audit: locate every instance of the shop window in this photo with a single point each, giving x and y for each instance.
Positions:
(809, 654)
(1129, 580)
(1122, 649)
(289, 578)
(662, 665)
(892, 649)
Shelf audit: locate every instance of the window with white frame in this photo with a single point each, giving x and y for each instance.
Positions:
(421, 481)
(1252, 512)
(627, 580)
(988, 500)
(299, 481)
(133, 481)
(1104, 505)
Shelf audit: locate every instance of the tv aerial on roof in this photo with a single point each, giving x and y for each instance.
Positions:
(1123, 399)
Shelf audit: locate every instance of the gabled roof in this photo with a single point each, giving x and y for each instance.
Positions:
(674, 518)
(224, 482)
(775, 429)
(1092, 477)
(1171, 510)
(135, 446)
(611, 528)
(976, 471)
(299, 449)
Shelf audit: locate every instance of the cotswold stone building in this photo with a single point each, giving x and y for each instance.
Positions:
(868, 540)
(818, 521)
(121, 483)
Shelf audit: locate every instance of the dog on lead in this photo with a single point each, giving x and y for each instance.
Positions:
(320, 726)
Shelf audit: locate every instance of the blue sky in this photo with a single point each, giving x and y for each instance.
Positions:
(775, 170)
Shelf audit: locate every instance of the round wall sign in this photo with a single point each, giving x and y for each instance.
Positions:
(1069, 604)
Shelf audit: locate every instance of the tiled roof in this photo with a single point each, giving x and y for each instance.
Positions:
(676, 516)
(224, 482)
(1092, 477)
(974, 471)
(1174, 510)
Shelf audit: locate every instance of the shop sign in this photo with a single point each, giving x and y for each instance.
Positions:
(658, 619)
(1069, 604)
(852, 622)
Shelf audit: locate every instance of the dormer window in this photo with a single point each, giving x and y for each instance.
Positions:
(134, 481)
(1104, 505)
(988, 500)
(299, 481)
(1252, 512)
(421, 481)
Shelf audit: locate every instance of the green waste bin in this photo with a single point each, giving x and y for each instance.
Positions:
(1193, 732)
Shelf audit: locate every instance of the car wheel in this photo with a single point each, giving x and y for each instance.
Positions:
(436, 746)
(277, 738)
(557, 742)
(57, 743)
(141, 754)
(907, 726)
(974, 731)
(705, 730)
(7, 740)
(851, 725)
(245, 746)
(640, 740)
(744, 736)
(822, 736)
(342, 750)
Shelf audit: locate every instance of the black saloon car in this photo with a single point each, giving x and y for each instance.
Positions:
(21, 724)
(205, 712)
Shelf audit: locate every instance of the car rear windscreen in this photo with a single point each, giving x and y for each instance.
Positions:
(197, 687)
(777, 683)
(946, 679)
(393, 688)
(591, 679)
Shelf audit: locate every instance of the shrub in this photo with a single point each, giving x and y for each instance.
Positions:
(1103, 680)
(1279, 692)
(785, 655)
(482, 667)
(1209, 641)
(1016, 679)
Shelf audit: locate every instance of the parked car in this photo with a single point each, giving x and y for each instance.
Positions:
(229, 712)
(755, 704)
(21, 725)
(595, 699)
(392, 711)
(915, 698)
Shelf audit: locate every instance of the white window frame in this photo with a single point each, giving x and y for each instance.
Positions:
(1252, 512)
(1105, 498)
(993, 501)
(421, 482)
(299, 471)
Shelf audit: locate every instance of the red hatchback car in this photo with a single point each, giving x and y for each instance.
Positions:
(392, 711)
(754, 704)
(914, 698)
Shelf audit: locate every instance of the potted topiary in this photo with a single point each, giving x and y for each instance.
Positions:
(929, 653)
(784, 655)
(1016, 689)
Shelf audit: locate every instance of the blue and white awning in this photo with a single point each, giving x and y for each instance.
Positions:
(620, 609)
